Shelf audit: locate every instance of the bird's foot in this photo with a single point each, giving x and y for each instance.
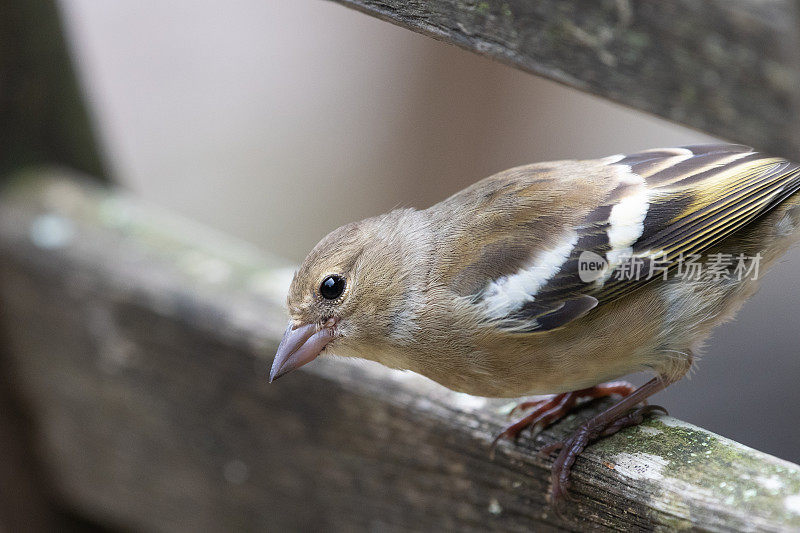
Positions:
(552, 408)
(602, 425)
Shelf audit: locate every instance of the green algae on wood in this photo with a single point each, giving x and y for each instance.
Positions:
(691, 469)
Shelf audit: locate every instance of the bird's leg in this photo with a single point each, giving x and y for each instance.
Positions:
(620, 415)
(551, 409)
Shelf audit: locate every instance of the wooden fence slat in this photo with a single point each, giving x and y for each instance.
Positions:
(142, 343)
(43, 119)
(727, 67)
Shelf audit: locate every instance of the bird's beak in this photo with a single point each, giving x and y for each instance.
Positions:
(300, 345)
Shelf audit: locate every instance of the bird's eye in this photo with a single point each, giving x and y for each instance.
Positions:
(332, 287)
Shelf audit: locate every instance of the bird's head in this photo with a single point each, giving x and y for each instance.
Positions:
(349, 295)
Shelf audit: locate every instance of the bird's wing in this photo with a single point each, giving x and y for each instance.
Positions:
(663, 205)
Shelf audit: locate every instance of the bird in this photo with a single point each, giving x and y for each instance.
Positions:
(553, 279)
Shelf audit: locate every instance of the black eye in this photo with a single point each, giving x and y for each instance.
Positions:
(332, 287)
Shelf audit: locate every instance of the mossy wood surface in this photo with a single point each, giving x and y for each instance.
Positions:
(728, 68)
(142, 344)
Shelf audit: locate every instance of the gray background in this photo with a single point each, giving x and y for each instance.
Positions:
(278, 121)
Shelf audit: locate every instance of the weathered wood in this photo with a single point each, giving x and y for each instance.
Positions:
(42, 116)
(42, 120)
(24, 502)
(729, 68)
(142, 342)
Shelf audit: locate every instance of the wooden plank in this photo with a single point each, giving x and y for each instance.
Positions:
(42, 114)
(142, 343)
(727, 68)
(42, 120)
(26, 506)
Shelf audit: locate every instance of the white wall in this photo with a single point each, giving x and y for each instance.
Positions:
(279, 121)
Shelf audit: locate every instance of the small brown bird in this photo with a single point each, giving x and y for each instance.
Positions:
(552, 278)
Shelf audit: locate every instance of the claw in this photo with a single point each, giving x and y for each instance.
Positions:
(552, 408)
(523, 406)
(610, 421)
(550, 448)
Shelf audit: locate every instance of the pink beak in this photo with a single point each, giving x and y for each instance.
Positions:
(300, 345)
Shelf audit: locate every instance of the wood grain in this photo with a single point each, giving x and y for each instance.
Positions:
(727, 68)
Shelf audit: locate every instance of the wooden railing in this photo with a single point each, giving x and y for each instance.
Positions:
(730, 68)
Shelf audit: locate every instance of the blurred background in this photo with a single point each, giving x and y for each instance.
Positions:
(279, 121)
